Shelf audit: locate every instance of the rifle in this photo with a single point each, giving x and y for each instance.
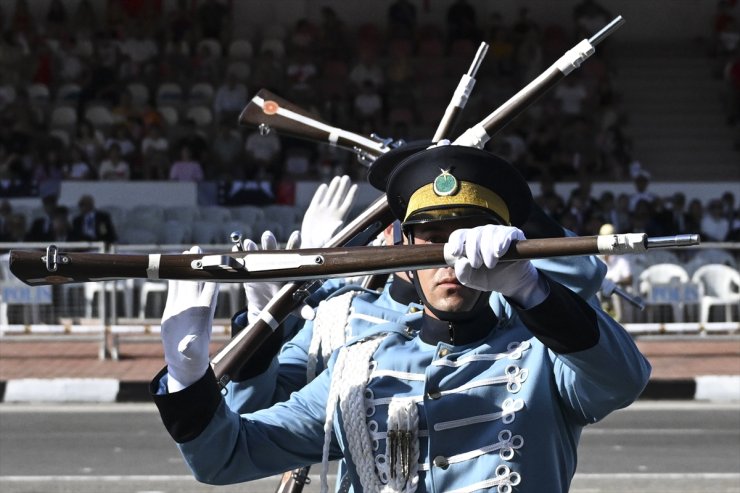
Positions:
(37, 268)
(268, 111)
(479, 134)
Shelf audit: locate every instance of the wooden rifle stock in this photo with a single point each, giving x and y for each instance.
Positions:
(269, 111)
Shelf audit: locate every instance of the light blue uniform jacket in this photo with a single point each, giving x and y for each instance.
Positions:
(287, 372)
(530, 404)
(502, 412)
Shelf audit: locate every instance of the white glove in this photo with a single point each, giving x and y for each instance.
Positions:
(186, 329)
(328, 210)
(260, 293)
(477, 252)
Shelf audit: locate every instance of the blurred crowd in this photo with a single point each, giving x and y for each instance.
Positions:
(134, 92)
(137, 92)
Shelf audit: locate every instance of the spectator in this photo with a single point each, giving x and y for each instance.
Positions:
(228, 148)
(230, 99)
(92, 224)
(301, 71)
(77, 168)
(155, 154)
(618, 267)
(572, 96)
(140, 48)
(190, 135)
(461, 21)
(264, 152)
(678, 222)
(213, 20)
(642, 182)
(41, 228)
(89, 141)
(121, 137)
(548, 199)
(694, 216)
(588, 17)
(368, 107)
(367, 68)
(619, 272)
(114, 167)
(205, 64)
(267, 72)
(623, 214)
(84, 19)
(332, 42)
(17, 228)
(187, 167)
(61, 230)
(303, 37)
(6, 211)
(714, 225)
(731, 76)
(47, 171)
(56, 17)
(728, 206)
(402, 19)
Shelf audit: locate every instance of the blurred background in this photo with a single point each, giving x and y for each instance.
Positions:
(129, 109)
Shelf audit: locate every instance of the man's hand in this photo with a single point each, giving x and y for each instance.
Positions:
(260, 293)
(186, 329)
(477, 252)
(328, 210)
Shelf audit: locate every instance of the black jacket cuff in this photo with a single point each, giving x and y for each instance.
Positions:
(186, 413)
(563, 322)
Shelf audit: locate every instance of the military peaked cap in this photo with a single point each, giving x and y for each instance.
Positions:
(448, 181)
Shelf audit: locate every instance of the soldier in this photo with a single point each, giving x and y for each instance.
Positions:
(461, 399)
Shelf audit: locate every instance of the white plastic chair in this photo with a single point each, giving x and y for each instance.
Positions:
(710, 256)
(68, 93)
(659, 285)
(249, 214)
(139, 94)
(169, 93)
(169, 114)
(176, 232)
(207, 232)
(125, 287)
(201, 94)
(719, 286)
(99, 116)
(38, 94)
(214, 46)
(201, 115)
(240, 49)
(63, 117)
(150, 287)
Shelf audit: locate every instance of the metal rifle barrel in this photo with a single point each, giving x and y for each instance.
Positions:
(460, 96)
(606, 30)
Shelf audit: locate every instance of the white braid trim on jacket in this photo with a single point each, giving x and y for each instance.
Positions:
(329, 330)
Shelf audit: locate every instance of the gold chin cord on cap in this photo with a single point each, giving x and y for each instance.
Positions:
(469, 194)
